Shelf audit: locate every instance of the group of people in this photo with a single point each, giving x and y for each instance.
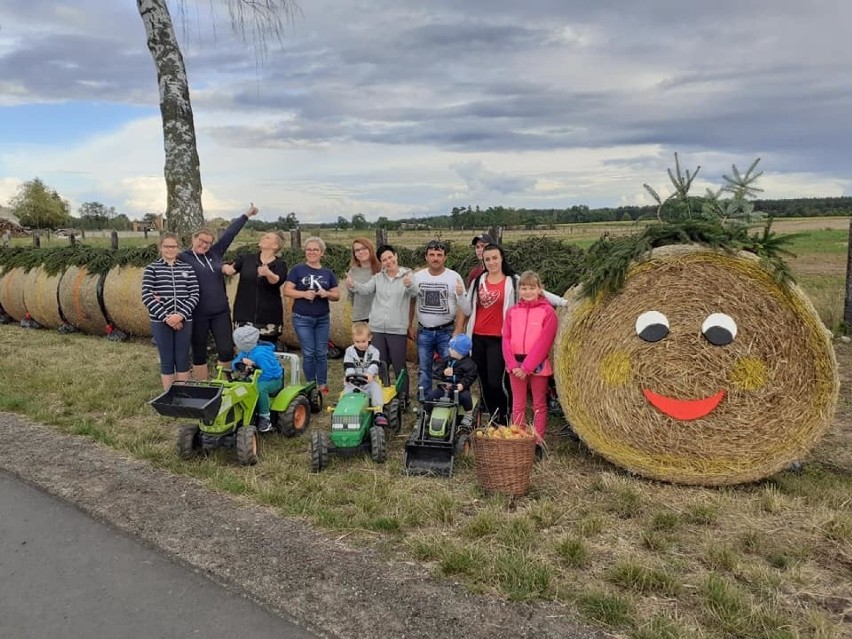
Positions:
(493, 326)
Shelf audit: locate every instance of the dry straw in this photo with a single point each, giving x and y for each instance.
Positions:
(779, 375)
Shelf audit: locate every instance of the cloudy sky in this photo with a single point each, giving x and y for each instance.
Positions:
(400, 107)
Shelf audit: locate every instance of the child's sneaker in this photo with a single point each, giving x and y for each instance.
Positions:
(324, 389)
(466, 423)
(264, 424)
(381, 420)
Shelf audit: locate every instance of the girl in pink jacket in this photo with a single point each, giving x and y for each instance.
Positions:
(528, 333)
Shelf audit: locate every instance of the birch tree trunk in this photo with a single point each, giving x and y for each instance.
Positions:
(182, 167)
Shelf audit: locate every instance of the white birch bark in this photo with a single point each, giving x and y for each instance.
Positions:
(182, 166)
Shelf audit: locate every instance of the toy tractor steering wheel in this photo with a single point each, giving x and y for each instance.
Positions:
(357, 379)
(241, 372)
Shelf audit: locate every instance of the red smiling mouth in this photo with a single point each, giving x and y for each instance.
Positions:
(684, 409)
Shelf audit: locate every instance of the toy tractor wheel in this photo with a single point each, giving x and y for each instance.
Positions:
(319, 451)
(188, 441)
(295, 420)
(316, 400)
(378, 445)
(394, 415)
(247, 445)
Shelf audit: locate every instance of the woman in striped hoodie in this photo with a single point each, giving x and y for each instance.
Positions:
(170, 293)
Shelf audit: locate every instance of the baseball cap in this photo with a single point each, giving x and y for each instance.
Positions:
(482, 238)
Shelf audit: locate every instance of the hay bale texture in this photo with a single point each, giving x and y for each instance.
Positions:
(122, 297)
(41, 297)
(78, 299)
(12, 287)
(776, 383)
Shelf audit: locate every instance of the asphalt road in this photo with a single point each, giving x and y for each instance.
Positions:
(64, 574)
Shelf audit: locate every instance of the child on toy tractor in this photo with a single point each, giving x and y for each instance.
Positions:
(458, 373)
(360, 368)
(255, 354)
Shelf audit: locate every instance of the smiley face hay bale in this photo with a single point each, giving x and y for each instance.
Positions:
(700, 370)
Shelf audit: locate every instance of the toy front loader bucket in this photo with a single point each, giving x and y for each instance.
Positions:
(190, 401)
(428, 458)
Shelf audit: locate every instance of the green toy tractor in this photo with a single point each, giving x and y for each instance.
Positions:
(353, 428)
(440, 435)
(224, 408)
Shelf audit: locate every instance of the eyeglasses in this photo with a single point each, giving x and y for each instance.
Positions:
(205, 242)
(360, 249)
(436, 245)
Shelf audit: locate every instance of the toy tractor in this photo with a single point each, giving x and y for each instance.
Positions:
(353, 428)
(224, 408)
(439, 436)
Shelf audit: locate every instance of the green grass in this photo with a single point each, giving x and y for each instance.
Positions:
(820, 241)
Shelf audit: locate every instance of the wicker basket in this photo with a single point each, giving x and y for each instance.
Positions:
(504, 465)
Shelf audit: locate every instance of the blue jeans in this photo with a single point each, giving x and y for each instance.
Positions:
(313, 340)
(173, 347)
(430, 341)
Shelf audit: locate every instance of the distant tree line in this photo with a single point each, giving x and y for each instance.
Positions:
(39, 206)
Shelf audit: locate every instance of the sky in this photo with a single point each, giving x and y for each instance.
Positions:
(401, 108)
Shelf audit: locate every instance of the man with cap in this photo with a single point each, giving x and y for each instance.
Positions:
(458, 373)
(253, 353)
(479, 243)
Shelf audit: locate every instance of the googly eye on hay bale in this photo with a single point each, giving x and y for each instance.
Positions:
(701, 369)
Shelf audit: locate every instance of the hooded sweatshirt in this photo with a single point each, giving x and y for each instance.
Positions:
(208, 269)
(529, 329)
(391, 301)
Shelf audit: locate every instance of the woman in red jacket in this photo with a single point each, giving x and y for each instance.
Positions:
(528, 333)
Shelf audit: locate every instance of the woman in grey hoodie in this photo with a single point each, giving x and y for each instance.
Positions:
(393, 289)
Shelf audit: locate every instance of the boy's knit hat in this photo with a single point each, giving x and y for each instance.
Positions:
(461, 344)
(245, 338)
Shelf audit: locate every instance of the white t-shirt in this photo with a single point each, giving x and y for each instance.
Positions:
(437, 301)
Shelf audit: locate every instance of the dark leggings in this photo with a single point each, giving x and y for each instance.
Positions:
(488, 355)
(220, 326)
(392, 351)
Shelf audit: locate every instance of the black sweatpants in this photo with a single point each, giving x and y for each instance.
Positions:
(392, 351)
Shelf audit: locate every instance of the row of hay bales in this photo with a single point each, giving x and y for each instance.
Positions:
(90, 302)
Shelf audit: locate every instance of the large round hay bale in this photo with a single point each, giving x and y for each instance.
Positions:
(684, 402)
(12, 287)
(78, 299)
(122, 296)
(41, 297)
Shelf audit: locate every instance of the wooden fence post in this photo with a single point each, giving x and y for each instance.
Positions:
(72, 240)
(295, 238)
(36, 239)
(113, 239)
(381, 237)
(496, 232)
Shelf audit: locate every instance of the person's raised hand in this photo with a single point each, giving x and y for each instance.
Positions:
(252, 210)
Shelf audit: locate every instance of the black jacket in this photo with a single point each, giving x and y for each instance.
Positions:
(464, 371)
(258, 301)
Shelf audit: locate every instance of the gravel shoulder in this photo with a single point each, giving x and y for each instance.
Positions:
(320, 583)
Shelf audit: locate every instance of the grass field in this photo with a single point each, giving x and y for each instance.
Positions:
(641, 558)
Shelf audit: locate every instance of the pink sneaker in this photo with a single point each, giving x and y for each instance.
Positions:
(324, 389)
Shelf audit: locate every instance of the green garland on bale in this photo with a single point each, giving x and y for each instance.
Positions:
(56, 260)
(559, 264)
(608, 260)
